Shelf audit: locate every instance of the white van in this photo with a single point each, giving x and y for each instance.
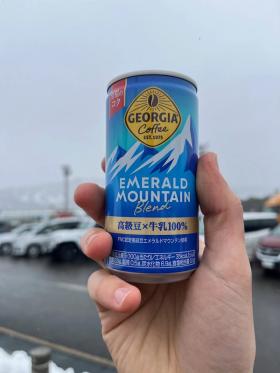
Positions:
(256, 226)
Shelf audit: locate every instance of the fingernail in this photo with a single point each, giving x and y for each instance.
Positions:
(120, 295)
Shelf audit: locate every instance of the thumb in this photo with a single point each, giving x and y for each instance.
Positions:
(223, 218)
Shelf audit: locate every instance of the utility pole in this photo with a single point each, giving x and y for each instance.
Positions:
(66, 170)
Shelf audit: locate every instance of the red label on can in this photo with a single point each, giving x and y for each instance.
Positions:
(117, 97)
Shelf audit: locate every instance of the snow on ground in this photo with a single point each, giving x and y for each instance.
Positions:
(20, 362)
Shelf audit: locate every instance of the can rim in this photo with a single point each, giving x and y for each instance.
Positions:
(152, 72)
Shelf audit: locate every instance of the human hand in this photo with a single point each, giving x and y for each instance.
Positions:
(200, 325)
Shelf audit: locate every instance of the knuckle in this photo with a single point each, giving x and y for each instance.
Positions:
(84, 239)
(232, 215)
(93, 284)
(236, 208)
(98, 292)
(91, 232)
(78, 194)
(92, 279)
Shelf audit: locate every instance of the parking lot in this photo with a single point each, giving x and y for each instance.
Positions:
(50, 302)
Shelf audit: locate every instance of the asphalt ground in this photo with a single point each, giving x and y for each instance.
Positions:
(48, 303)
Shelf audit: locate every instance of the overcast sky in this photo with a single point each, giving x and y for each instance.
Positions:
(56, 58)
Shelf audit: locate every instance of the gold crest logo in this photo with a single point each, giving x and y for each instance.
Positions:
(152, 117)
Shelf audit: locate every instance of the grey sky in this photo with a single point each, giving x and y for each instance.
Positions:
(56, 58)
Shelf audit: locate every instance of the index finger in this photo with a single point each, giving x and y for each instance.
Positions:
(91, 198)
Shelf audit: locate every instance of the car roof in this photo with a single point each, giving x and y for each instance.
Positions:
(64, 220)
(50, 222)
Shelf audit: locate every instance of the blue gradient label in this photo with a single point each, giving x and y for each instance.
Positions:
(151, 202)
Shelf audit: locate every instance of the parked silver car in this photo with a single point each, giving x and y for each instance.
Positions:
(35, 242)
(7, 239)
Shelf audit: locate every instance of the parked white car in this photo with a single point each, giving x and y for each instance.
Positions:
(256, 226)
(64, 245)
(7, 239)
(35, 242)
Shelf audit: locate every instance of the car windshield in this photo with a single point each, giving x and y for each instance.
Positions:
(22, 229)
(276, 231)
(37, 227)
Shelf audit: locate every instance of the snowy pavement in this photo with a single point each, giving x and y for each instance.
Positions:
(20, 362)
(14, 353)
